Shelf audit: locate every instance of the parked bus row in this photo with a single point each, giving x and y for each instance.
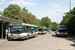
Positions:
(23, 31)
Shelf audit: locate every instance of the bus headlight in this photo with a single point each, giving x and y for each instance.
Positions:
(66, 33)
(57, 32)
(41, 31)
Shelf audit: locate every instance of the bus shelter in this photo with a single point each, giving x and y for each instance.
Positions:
(4, 21)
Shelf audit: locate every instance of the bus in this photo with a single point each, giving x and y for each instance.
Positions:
(21, 31)
(61, 30)
(42, 30)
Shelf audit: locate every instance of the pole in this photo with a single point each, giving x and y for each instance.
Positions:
(70, 14)
(70, 10)
(2, 31)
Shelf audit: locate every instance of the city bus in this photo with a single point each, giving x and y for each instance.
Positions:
(42, 30)
(21, 31)
(61, 30)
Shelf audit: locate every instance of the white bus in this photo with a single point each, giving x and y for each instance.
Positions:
(21, 31)
(42, 30)
(61, 30)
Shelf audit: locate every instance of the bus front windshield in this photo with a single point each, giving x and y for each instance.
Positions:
(63, 30)
(44, 29)
(39, 29)
(16, 29)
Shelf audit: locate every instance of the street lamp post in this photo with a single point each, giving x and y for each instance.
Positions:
(70, 13)
(70, 9)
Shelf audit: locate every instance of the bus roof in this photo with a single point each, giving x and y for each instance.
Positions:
(61, 26)
(25, 24)
(21, 24)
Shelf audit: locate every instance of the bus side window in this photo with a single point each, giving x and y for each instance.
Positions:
(33, 30)
(23, 29)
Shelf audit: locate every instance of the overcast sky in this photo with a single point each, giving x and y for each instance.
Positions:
(42, 8)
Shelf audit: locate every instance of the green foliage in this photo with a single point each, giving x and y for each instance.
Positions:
(69, 21)
(37, 22)
(27, 17)
(54, 25)
(72, 25)
(15, 12)
(24, 10)
(1, 13)
(12, 11)
(45, 22)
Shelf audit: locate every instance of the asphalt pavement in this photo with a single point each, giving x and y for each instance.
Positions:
(47, 41)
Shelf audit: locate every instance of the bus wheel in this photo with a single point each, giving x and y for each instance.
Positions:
(27, 37)
(35, 35)
(9, 39)
(56, 35)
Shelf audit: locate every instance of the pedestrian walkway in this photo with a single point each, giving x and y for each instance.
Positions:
(2, 40)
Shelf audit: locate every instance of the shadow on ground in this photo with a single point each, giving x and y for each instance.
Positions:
(41, 34)
(54, 35)
(22, 39)
(58, 36)
(72, 45)
(71, 38)
(67, 38)
(17, 39)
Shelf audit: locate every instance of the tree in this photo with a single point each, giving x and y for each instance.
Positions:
(45, 22)
(1, 13)
(27, 17)
(15, 12)
(24, 10)
(54, 25)
(37, 22)
(69, 21)
(12, 11)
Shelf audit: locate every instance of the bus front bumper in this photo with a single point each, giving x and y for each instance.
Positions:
(18, 37)
(61, 34)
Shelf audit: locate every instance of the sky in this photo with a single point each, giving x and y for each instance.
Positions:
(42, 8)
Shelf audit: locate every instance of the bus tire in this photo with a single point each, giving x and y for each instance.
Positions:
(66, 36)
(56, 35)
(35, 35)
(27, 37)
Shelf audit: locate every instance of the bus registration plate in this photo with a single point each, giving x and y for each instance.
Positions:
(63, 33)
(15, 34)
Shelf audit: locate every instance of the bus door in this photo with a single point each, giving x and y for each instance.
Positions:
(32, 31)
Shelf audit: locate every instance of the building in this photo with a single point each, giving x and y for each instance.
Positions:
(4, 21)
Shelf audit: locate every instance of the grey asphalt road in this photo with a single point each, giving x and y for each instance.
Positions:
(41, 42)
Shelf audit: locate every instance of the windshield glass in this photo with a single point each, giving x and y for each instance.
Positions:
(62, 26)
(44, 29)
(16, 29)
(39, 29)
(64, 30)
(49, 29)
